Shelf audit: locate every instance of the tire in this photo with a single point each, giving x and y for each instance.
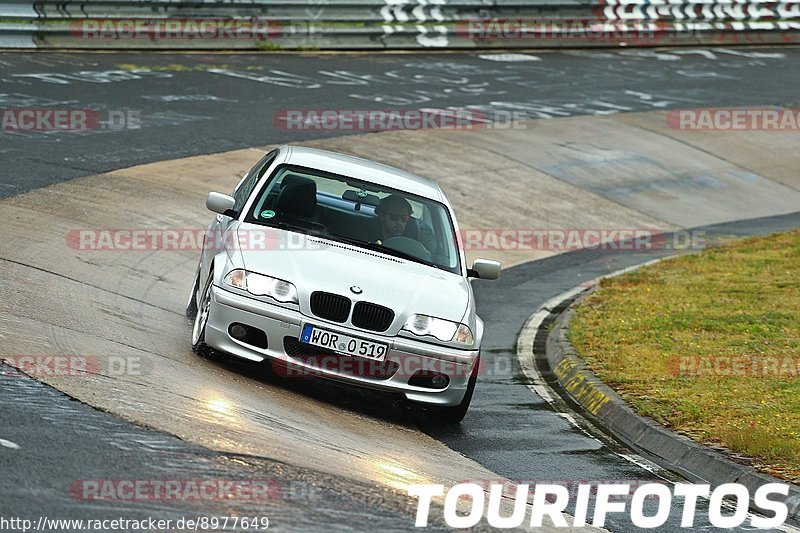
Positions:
(191, 307)
(199, 346)
(455, 414)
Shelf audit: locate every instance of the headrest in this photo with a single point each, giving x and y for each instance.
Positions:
(298, 197)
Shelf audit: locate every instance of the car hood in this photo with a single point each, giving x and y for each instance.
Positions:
(317, 264)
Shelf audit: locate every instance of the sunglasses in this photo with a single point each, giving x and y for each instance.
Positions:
(394, 216)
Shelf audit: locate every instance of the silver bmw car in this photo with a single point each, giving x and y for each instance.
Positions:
(329, 265)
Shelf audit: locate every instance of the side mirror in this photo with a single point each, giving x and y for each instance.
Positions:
(484, 269)
(220, 203)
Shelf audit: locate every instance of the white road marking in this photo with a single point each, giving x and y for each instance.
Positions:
(9, 444)
(752, 54)
(509, 57)
(703, 74)
(526, 360)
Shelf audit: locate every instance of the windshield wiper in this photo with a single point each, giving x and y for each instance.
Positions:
(403, 255)
(300, 229)
(384, 249)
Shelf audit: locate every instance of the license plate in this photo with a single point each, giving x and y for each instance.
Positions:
(344, 344)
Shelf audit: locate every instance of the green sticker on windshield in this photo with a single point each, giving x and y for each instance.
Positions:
(267, 214)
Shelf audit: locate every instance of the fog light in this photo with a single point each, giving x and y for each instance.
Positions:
(238, 331)
(429, 380)
(439, 381)
(248, 335)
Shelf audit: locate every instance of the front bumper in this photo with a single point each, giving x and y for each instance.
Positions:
(282, 326)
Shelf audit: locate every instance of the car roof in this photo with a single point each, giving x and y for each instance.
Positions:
(363, 169)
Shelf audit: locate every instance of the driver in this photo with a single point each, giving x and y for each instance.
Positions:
(394, 212)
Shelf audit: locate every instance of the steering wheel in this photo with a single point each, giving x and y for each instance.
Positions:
(409, 246)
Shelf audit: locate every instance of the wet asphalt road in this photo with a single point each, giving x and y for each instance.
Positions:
(75, 462)
(151, 107)
(193, 104)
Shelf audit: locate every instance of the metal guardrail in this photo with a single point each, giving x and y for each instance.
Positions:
(16, 25)
(392, 24)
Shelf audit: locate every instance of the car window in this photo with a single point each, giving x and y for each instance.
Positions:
(346, 209)
(245, 187)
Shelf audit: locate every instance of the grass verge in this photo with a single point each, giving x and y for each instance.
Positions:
(708, 345)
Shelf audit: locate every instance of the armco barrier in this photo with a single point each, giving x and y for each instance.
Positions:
(17, 25)
(393, 24)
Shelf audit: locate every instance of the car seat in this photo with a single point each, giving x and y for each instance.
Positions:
(297, 203)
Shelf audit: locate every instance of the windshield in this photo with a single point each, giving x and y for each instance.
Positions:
(359, 213)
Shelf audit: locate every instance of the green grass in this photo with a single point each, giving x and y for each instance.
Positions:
(739, 302)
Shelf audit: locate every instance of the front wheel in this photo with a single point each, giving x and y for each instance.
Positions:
(191, 307)
(199, 346)
(456, 413)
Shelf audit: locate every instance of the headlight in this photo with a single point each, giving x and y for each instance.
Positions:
(261, 285)
(444, 330)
